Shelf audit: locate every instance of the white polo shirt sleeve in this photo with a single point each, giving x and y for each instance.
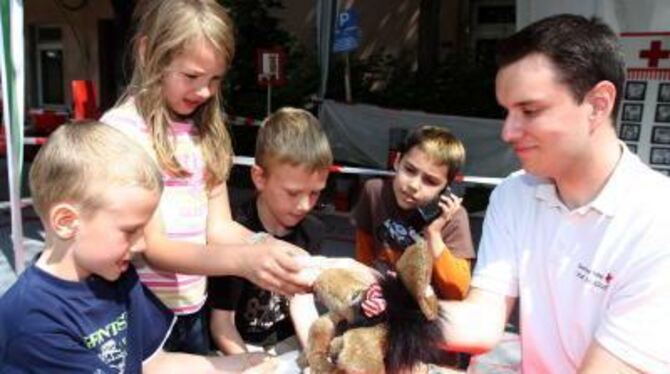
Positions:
(497, 269)
(636, 323)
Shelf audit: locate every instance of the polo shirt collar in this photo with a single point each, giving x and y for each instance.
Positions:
(609, 197)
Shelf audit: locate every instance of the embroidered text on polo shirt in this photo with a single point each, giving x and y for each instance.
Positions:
(601, 280)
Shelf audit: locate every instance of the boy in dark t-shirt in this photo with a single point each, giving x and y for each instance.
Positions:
(292, 161)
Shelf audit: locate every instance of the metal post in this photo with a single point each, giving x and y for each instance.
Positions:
(347, 78)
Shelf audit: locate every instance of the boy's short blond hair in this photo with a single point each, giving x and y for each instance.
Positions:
(295, 137)
(440, 145)
(80, 160)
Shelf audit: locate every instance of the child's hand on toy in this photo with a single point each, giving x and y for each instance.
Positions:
(273, 266)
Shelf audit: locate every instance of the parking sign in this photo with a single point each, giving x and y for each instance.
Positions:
(347, 32)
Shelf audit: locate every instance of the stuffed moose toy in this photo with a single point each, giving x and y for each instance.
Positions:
(382, 322)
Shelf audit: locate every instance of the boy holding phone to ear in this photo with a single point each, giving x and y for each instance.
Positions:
(429, 160)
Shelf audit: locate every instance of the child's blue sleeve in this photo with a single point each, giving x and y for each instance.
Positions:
(50, 353)
(149, 320)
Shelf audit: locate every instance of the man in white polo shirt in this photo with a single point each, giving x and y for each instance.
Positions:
(582, 236)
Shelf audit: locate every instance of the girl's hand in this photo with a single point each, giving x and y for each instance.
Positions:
(272, 265)
(449, 204)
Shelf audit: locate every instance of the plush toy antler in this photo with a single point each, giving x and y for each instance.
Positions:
(376, 324)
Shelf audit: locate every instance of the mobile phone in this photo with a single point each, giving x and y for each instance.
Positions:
(424, 215)
(400, 234)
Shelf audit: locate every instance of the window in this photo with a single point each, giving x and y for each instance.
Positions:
(49, 67)
(491, 21)
(492, 14)
(485, 50)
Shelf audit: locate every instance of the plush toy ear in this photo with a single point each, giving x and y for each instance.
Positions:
(415, 268)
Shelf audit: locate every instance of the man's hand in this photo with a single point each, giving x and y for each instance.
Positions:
(272, 265)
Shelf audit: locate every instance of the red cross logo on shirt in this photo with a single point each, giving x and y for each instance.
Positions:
(654, 54)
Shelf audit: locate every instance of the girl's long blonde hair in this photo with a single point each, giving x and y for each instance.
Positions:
(165, 28)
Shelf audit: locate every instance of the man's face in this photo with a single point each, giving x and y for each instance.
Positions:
(418, 179)
(287, 192)
(105, 238)
(548, 130)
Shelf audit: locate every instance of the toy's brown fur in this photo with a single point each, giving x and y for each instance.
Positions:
(362, 349)
(415, 269)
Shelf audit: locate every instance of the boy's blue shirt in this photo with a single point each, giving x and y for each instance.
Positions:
(94, 326)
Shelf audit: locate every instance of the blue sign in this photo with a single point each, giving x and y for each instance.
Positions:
(347, 33)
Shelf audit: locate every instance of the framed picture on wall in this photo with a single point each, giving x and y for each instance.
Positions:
(663, 93)
(629, 131)
(632, 112)
(660, 135)
(659, 156)
(635, 90)
(662, 113)
(632, 147)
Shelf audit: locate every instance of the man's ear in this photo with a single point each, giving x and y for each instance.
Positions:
(64, 220)
(601, 99)
(258, 176)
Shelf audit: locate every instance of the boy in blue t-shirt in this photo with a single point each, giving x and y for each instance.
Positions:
(81, 307)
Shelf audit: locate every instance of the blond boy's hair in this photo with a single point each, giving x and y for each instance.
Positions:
(295, 137)
(165, 29)
(440, 145)
(80, 160)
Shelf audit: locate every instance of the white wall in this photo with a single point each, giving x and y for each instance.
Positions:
(621, 15)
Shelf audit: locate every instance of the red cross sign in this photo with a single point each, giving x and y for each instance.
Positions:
(654, 53)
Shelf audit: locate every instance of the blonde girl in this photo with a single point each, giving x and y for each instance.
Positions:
(182, 50)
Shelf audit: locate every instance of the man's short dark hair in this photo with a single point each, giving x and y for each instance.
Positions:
(583, 51)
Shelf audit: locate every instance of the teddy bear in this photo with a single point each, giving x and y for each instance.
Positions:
(377, 322)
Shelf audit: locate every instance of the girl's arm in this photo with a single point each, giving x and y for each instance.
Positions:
(268, 263)
(303, 314)
(224, 333)
(221, 228)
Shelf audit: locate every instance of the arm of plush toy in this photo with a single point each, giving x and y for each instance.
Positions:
(224, 333)
(303, 313)
(476, 324)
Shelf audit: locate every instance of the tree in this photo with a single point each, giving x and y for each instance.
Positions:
(257, 28)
